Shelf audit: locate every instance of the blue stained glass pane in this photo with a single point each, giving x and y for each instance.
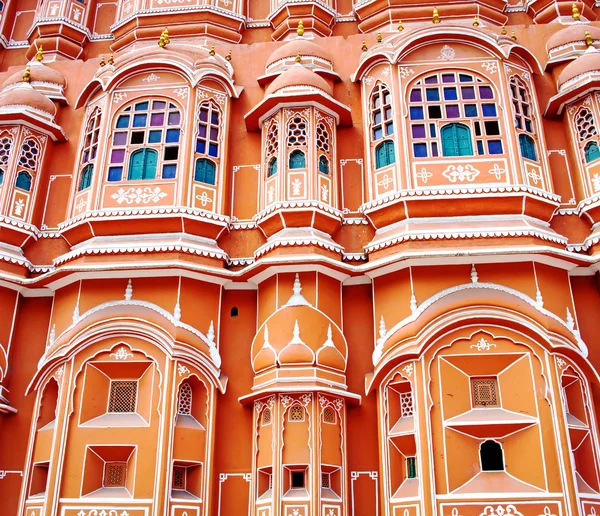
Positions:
(450, 94)
(123, 122)
(115, 173)
(155, 137)
(213, 150)
(470, 110)
(434, 149)
(377, 133)
(200, 146)
(389, 128)
(420, 150)
(465, 78)
(172, 135)
(479, 147)
(495, 147)
(142, 106)
(432, 130)
(416, 113)
(169, 171)
(139, 120)
(489, 109)
(433, 94)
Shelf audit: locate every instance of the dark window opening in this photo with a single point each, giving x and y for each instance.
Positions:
(234, 311)
(297, 479)
(492, 457)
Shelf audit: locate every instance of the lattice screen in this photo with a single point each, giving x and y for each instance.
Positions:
(114, 474)
(296, 413)
(179, 475)
(485, 392)
(122, 396)
(266, 417)
(185, 399)
(325, 481)
(329, 415)
(406, 404)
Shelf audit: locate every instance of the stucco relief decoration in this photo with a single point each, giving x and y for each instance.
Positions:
(324, 193)
(596, 182)
(119, 96)
(102, 512)
(181, 369)
(490, 66)
(497, 171)
(482, 345)
(369, 80)
(138, 195)
(270, 194)
(405, 72)
(121, 354)
(19, 207)
(534, 176)
(286, 400)
(386, 181)
(592, 512)
(306, 399)
(151, 78)
(59, 372)
(424, 175)
(408, 370)
(204, 199)
(460, 173)
(181, 93)
(447, 53)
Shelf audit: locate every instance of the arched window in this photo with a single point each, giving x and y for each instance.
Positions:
(385, 154)
(297, 132)
(460, 101)
(523, 112)
(297, 159)
(456, 140)
(86, 177)
(205, 171)
(492, 456)
(266, 417)
(23, 181)
(89, 149)
(209, 128)
(382, 124)
(527, 146)
(592, 152)
(5, 147)
(184, 405)
(153, 126)
(322, 137)
(142, 164)
(323, 165)
(272, 167)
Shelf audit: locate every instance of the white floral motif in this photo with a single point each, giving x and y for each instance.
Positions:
(122, 354)
(59, 372)
(510, 510)
(138, 195)
(497, 171)
(483, 345)
(270, 194)
(424, 175)
(119, 96)
(460, 173)
(324, 193)
(296, 186)
(535, 177)
(306, 399)
(94, 512)
(447, 53)
(80, 205)
(385, 72)
(592, 512)
(596, 182)
(204, 199)
(19, 206)
(151, 78)
(561, 363)
(490, 66)
(404, 71)
(286, 400)
(547, 512)
(181, 369)
(408, 369)
(369, 80)
(386, 181)
(182, 93)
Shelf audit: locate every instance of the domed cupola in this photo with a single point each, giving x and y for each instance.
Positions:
(299, 345)
(570, 42)
(42, 78)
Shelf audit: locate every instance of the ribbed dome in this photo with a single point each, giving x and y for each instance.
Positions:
(25, 95)
(39, 73)
(572, 34)
(298, 75)
(301, 47)
(588, 62)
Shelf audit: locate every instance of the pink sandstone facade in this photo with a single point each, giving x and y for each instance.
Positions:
(299, 258)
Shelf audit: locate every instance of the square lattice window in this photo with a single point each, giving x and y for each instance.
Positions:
(296, 413)
(114, 474)
(123, 395)
(406, 404)
(485, 392)
(179, 475)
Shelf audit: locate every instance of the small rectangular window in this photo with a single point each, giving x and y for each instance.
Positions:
(418, 131)
(389, 128)
(139, 120)
(325, 480)
(434, 112)
(123, 395)
(431, 80)
(141, 106)
(137, 137)
(484, 392)
(452, 111)
(448, 77)
(468, 92)
(465, 78)
(492, 128)
(171, 153)
(411, 467)
(480, 150)
(115, 173)
(179, 477)
(297, 479)
(114, 474)
(495, 147)
(159, 104)
(123, 122)
(420, 150)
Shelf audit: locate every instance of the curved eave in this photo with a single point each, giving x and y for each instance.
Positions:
(326, 74)
(556, 105)
(91, 87)
(272, 102)
(11, 115)
(350, 397)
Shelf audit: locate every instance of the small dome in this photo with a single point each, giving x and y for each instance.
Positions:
(39, 73)
(298, 75)
(25, 95)
(588, 62)
(572, 34)
(301, 47)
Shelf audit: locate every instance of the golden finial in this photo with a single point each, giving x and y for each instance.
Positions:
(39, 56)
(476, 21)
(379, 38)
(436, 15)
(364, 46)
(212, 50)
(300, 29)
(111, 59)
(503, 31)
(588, 39)
(102, 61)
(400, 26)
(298, 58)
(27, 74)
(575, 12)
(164, 38)
(228, 56)
(513, 36)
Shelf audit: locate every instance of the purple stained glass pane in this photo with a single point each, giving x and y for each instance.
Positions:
(448, 78)
(431, 80)
(418, 131)
(117, 156)
(174, 118)
(159, 104)
(203, 115)
(485, 92)
(120, 139)
(452, 111)
(468, 92)
(202, 131)
(214, 134)
(415, 95)
(157, 119)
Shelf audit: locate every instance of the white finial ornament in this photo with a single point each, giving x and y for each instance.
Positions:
(413, 302)
(539, 300)
(382, 329)
(296, 338)
(211, 332)
(177, 312)
(570, 320)
(329, 342)
(266, 343)
(52, 337)
(297, 298)
(474, 276)
(76, 312)
(129, 291)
